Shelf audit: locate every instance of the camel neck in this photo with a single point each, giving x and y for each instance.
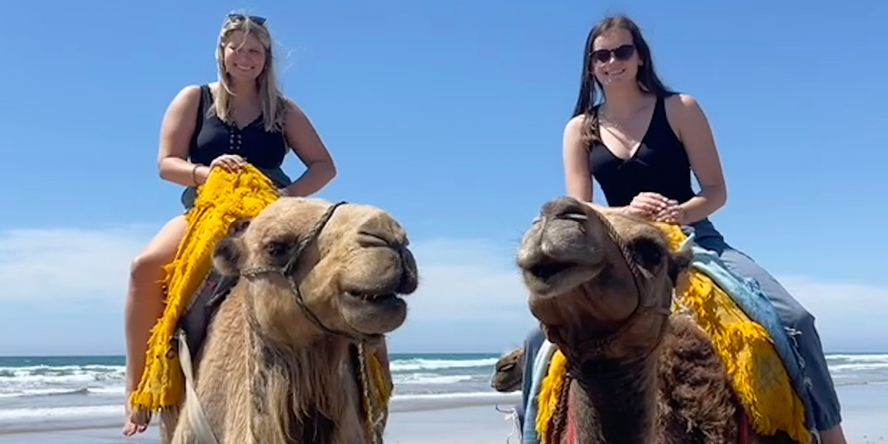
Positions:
(615, 402)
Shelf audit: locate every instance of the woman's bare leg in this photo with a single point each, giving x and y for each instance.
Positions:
(144, 305)
(834, 435)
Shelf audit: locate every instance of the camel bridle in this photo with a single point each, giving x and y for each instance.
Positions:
(287, 272)
(598, 346)
(372, 417)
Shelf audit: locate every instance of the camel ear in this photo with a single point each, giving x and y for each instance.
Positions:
(228, 256)
(239, 227)
(679, 262)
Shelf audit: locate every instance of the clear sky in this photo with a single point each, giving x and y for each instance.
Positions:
(448, 114)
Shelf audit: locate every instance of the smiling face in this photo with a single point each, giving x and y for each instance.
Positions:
(352, 276)
(614, 57)
(243, 56)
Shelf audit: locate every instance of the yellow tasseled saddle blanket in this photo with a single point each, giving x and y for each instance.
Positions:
(226, 198)
(753, 364)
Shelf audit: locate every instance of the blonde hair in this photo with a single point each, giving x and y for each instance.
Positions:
(274, 105)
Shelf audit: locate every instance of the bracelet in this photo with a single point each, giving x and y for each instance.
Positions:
(194, 175)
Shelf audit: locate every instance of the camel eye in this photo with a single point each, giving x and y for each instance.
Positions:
(647, 253)
(277, 249)
(506, 368)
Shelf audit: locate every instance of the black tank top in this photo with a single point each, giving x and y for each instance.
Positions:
(660, 165)
(213, 137)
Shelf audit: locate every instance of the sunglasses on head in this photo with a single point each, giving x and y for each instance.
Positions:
(241, 17)
(622, 52)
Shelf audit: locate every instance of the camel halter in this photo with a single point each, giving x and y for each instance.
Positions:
(599, 345)
(287, 270)
(372, 418)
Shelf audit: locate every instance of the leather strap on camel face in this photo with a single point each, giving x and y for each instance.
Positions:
(287, 272)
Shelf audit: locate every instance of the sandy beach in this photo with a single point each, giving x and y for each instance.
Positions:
(478, 421)
(416, 423)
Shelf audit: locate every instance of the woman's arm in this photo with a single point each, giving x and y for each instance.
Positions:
(175, 136)
(302, 136)
(696, 135)
(575, 156)
(578, 176)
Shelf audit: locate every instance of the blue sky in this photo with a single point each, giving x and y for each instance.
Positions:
(449, 115)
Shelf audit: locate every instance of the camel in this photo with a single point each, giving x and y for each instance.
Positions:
(601, 285)
(507, 374)
(279, 364)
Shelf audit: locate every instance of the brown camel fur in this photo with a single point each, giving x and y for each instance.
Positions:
(637, 374)
(508, 371)
(267, 374)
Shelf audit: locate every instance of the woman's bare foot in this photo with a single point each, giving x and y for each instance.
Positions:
(136, 421)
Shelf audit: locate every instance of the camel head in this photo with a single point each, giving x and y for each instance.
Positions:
(348, 279)
(600, 283)
(508, 372)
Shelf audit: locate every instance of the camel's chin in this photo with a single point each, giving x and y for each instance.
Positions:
(506, 385)
(373, 314)
(547, 281)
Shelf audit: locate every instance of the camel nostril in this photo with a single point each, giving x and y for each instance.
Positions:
(566, 208)
(574, 212)
(369, 240)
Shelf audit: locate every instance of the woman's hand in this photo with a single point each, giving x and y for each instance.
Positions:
(673, 213)
(228, 162)
(647, 205)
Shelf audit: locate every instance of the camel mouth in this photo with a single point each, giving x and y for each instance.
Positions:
(548, 270)
(550, 278)
(373, 298)
(506, 384)
(373, 313)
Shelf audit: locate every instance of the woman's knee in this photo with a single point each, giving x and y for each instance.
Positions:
(148, 265)
(160, 251)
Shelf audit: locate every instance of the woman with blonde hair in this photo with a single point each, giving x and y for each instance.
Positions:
(242, 118)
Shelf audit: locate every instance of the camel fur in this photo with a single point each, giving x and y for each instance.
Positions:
(601, 284)
(266, 373)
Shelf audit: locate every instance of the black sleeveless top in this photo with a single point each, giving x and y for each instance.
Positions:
(660, 165)
(213, 137)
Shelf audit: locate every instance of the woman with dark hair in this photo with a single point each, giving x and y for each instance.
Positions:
(641, 142)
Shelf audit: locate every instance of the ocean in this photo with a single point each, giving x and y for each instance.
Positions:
(37, 391)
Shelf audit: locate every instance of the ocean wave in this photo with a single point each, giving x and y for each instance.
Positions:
(858, 358)
(859, 367)
(412, 365)
(60, 370)
(431, 379)
(35, 393)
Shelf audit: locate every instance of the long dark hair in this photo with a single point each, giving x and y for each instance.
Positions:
(647, 77)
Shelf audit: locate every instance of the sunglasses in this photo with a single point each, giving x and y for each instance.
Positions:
(241, 17)
(621, 53)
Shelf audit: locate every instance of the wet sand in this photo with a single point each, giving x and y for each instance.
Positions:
(865, 412)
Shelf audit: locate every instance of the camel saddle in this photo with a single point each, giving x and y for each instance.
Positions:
(201, 311)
